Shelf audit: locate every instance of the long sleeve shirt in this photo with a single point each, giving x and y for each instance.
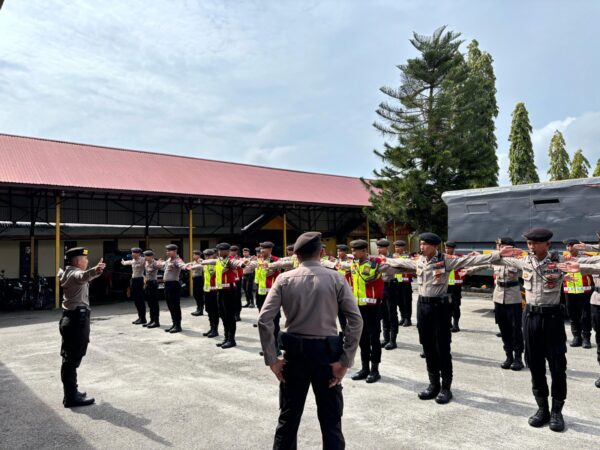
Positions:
(432, 274)
(152, 267)
(197, 268)
(137, 266)
(172, 268)
(594, 270)
(75, 283)
(311, 297)
(507, 290)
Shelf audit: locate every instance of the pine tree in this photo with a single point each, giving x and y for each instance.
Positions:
(559, 158)
(475, 110)
(579, 165)
(420, 164)
(597, 169)
(521, 167)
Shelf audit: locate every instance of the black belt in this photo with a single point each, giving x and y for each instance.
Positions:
(597, 289)
(507, 284)
(441, 300)
(76, 312)
(544, 309)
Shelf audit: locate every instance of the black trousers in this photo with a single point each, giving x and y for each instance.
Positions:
(260, 301)
(435, 337)
(173, 297)
(227, 304)
(389, 312)
(509, 320)
(595, 313)
(248, 287)
(306, 366)
(74, 327)
(137, 295)
(151, 294)
(578, 306)
(455, 294)
(404, 300)
(199, 292)
(238, 297)
(370, 344)
(546, 340)
(212, 308)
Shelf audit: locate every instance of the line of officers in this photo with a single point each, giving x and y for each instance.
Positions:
(381, 285)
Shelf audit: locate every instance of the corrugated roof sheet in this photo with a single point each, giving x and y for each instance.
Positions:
(43, 162)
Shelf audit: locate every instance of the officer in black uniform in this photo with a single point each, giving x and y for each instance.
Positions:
(198, 283)
(75, 322)
(389, 311)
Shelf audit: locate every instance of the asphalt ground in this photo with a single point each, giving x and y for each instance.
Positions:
(156, 390)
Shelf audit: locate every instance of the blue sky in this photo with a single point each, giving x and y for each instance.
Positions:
(290, 84)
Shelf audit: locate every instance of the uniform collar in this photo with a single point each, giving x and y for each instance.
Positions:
(311, 263)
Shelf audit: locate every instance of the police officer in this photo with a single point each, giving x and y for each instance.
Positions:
(248, 280)
(433, 308)
(578, 292)
(507, 307)
(454, 290)
(210, 296)
(311, 297)
(75, 322)
(172, 270)
(151, 267)
(137, 283)
(234, 254)
(198, 283)
(342, 264)
(389, 311)
(404, 286)
(543, 326)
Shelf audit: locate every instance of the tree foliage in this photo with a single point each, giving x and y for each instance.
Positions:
(580, 165)
(521, 167)
(559, 158)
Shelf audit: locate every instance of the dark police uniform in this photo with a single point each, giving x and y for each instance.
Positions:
(311, 297)
(248, 283)
(74, 324)
(137, 264)
(389, 304)
(172, 269)
(198, 282)
(404, 290)
(544, 330)
(151, 289)
(455, 293)
(434, 311)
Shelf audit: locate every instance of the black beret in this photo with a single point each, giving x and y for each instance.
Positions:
(342, 247)
(223, 246)
(197, 252)
(451, 244)
(246, 249)
(430, 238)
(382, 243)
(266, 244)
(571, 241)
(257, 249)
(359, 244)
(290, 247)
(538, 235)
(136, 250)
(235, 248)
(305, 239)
(148, 253)
(75, 251)
(171, 247)
(505, 240)
(209, 251)
(400, 243)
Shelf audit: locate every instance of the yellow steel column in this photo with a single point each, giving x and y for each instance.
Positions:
(57, 254)
(284, 233)
(191, 245)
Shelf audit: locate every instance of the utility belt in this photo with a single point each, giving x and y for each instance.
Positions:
(545, 309)
(80, 313)
(507, 284)
(151, 282)
(442, 300)
(597, 289)
(294, 345)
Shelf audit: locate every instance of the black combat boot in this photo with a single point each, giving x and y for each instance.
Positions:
(153, 324)
(401, 323)
(445, 394)
(508, 362)
(598, 382)
(557, 422)
(455, 328)
(76, 400)
(168, 330)
(139, 321)
(198, 312)
(238, 318)
(576, 342)
(374, 374)
(213, 333)
(586, 342)
(362, 374)
(407, 323)
(499, 335)
(422, 354)
(517, 363)
(542, 416)
(391, 345)
(176, 328)
(230, 342)
(433, 389)
(225, 339)
(386, 338)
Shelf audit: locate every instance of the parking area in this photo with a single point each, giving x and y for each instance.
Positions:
(156, 390)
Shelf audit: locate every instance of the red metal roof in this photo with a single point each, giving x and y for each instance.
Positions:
(42, 162)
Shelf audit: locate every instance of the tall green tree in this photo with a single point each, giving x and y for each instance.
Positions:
(475, 111)
(419, 163)
(579, 165)
(559, 158)
(597, 169)
(521, 167)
